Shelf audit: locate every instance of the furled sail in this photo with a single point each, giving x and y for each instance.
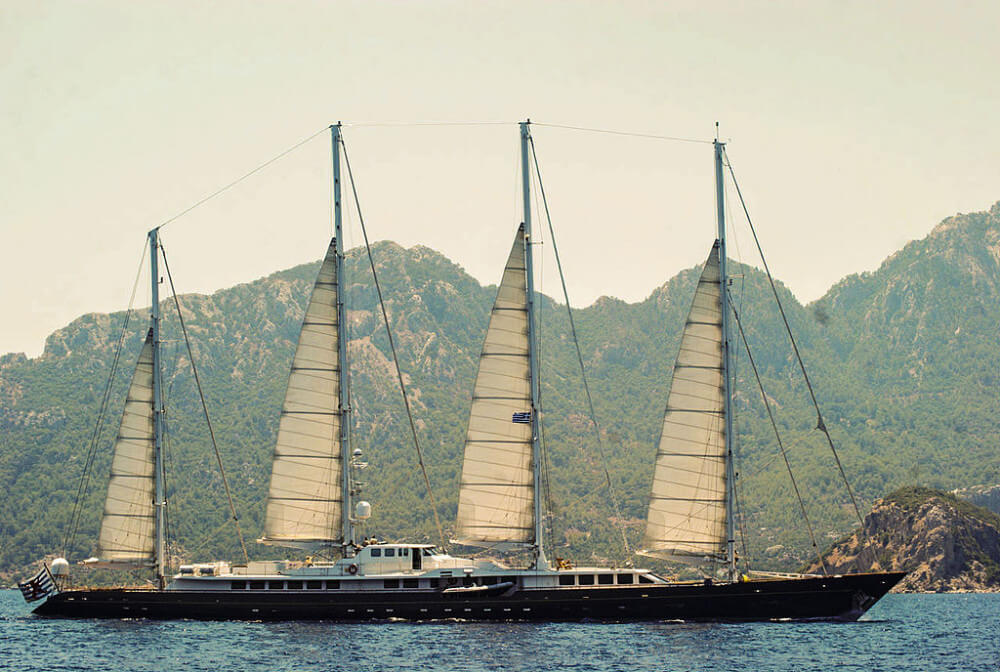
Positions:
(496, 499)
(127, 526)
(687, 508)
(304, 500)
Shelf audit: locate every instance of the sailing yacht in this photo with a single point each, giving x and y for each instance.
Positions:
(312, 507)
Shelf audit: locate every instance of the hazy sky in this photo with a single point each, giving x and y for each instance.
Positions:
(853, 127)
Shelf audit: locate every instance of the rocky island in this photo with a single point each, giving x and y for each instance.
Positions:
(945, 543)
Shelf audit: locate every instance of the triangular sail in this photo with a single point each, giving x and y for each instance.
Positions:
(687, 508)
(496, 499)
(127, 526)
(304, 500)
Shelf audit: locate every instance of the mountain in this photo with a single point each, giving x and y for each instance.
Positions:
(904, 362)
(946, 544)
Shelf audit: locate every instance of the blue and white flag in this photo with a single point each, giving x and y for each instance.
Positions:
(522, 418)
(39, 586)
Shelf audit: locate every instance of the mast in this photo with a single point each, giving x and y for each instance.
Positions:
(536, 453)
(346, 519)
(727, 396)
(159, 500)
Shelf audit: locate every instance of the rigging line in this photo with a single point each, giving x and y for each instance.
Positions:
(204, 406)
(819, 415)
(579, 357)
(95, 439)
(777, 436)
(392, 346)
(375, 124)
(650, 136)
(743, 531)
(548, 521)
(245, 176)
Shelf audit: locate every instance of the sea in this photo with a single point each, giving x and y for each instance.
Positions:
(902, 632)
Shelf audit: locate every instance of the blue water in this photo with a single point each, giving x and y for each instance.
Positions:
(903, 632)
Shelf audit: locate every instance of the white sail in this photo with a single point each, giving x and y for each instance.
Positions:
(687, 508)
(304, 500)
(127, 526)
(496, 499)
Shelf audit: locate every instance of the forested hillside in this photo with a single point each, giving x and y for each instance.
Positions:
(905, 362)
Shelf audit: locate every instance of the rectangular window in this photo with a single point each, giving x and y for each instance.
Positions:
(605, 579)
(624, 578)
(391, 583)
(404, 551)
(275, 585)
(411, 583)
(491, 580)
(238, 585)
(586, 579)
(566, 580)
(332, 585)
(294, 585)
(258, 585)
(433, 583)
(644, 579)
(390, 552)
(314, 585)
(376, 552)
(510, 579)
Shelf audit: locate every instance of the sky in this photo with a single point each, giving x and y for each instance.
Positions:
(853, 128)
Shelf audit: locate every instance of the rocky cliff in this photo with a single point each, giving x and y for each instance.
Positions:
(946, 544)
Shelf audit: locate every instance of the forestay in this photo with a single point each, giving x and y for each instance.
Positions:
(127, 526)
(304, 499)
(687, 508)
(496, 499)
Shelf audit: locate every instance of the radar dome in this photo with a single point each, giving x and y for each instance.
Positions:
(60, 567)
(363, 511)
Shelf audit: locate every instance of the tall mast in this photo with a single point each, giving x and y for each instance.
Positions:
(346, 518)
(536, 453)
(159, 500)
(724, 299)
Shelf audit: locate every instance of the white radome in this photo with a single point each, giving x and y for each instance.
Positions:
(363, 511)
(60, 567)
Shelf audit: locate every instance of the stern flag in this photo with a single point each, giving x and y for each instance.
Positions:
(522, 418)
(39, 586)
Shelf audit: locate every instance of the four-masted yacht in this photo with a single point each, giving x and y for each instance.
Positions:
(313, 503)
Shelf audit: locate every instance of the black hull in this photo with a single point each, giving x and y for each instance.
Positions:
(832, 598)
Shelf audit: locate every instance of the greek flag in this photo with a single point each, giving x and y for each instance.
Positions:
(39, 586)
(522, 418)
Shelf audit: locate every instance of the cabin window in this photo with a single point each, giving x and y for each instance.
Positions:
(511, 579)
(258, 585)
(411, 583)
(404, 551)
(605, 579)
(433, 583)
(490, 581)
(314, 585)
(566, 580)
(332, 585)
(624, 578)
(586, 579)
(376, 552)
(390, 552)
(275, 585)
(644, 579)
(391, 583)
(238, 585)
(427, 552)
(187, 570)
(294, 585)
(206, 571)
